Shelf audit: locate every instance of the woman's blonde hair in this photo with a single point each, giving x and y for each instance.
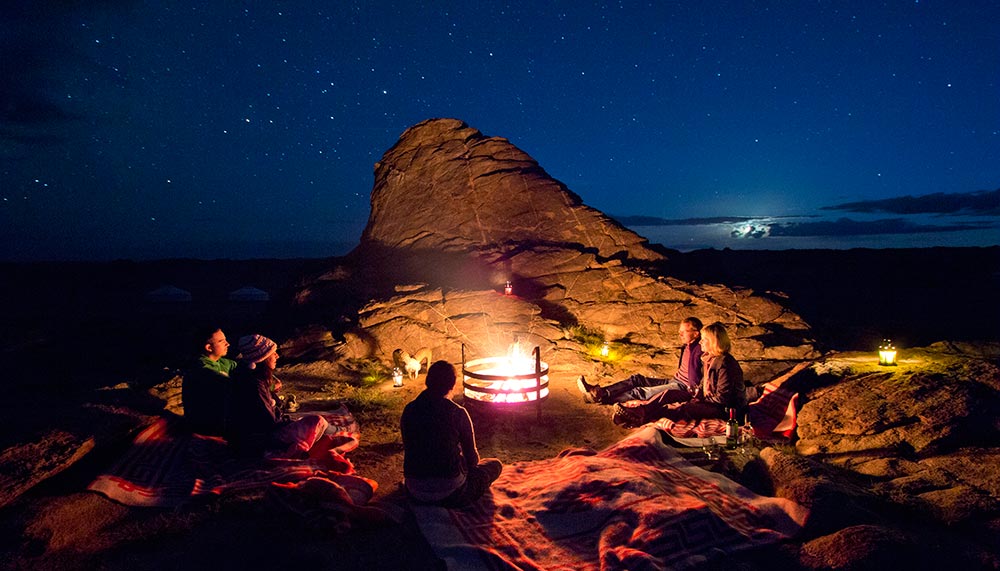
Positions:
(716, 339)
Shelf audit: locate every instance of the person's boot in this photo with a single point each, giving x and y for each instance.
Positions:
(628, 416)
(591, 393)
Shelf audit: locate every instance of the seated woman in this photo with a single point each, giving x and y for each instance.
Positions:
(721, 388)
(255, 424)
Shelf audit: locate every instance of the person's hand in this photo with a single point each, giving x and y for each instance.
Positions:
(276, 386)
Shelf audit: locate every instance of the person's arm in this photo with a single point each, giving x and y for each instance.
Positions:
(466, 438)
(728, 381)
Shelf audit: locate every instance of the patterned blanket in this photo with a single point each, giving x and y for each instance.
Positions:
(636, 505)
(772, 416)
(168, 465)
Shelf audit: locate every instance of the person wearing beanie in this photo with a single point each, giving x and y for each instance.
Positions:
(255, 424)
(256, 348)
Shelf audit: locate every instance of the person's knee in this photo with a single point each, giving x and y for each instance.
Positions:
(314, 422)
(491, 468)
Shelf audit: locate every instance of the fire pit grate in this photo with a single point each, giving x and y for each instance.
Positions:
(506, 381)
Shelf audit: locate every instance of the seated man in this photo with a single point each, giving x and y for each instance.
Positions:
(638, 387)
(205, 389)
(721, 389)
(441, 464)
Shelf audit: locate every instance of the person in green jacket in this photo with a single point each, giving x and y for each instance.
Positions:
(205, 389)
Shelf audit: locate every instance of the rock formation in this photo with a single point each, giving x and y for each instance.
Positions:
(456, 214)
(444, 186)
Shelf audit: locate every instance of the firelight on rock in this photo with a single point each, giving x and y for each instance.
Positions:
(887, 354)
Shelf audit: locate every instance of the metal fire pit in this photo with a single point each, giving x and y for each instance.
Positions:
(489, 381)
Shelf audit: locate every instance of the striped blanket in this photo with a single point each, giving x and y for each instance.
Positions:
(636, 505)
(773, 416)
(168, 465)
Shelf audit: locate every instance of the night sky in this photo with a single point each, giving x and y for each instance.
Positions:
(224, 129)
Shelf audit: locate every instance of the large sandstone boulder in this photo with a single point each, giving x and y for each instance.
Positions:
(875, 548)
(833, 499)
(446, 186)
(924, 432)
(932, 401)
(456, 214)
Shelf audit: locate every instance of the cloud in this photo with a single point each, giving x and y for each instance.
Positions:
(655, 221)
(848, 227)
(983, 202)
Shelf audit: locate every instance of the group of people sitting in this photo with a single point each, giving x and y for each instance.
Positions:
(441, 464)
(708, 383)
(240, 401)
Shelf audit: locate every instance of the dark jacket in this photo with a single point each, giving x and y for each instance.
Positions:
(438, 438)
(205, 395)
(724, 383)
(253, 415)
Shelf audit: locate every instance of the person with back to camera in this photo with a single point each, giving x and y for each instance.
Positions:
(721, 388)
(206, 384)
(441, 464)
(255, 422)
(640, 387)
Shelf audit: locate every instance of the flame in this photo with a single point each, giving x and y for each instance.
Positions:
(517, 362)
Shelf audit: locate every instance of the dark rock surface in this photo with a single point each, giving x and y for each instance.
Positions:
(886, 453)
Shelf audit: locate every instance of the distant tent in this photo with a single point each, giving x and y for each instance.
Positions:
(168, 294)
(249, 293)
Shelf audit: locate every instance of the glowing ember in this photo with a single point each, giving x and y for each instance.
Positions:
(514, 378)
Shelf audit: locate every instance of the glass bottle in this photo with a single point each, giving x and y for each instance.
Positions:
(732, 430)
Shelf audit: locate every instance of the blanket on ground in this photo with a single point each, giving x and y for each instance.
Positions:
(636, 505)
(168, 465)
(772, 416)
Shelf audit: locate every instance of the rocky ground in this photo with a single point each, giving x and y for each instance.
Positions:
(897, 464)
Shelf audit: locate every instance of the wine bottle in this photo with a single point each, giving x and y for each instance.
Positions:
(732, 430)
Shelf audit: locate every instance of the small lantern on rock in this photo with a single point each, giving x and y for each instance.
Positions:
(508, 289)
(605, 349)
(887, 354)
(397, 377)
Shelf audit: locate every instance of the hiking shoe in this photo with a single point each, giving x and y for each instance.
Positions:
(591, 393)
(628, 416)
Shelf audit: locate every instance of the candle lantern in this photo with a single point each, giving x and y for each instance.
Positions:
(397, 377)
(508, 289)
(887, 354)
(605, 349)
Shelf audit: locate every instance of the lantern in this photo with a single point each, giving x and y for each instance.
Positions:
(397, 377)
(508, 289)
(605, 349)
(887, 354)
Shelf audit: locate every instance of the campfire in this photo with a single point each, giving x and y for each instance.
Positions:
(512, 379)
